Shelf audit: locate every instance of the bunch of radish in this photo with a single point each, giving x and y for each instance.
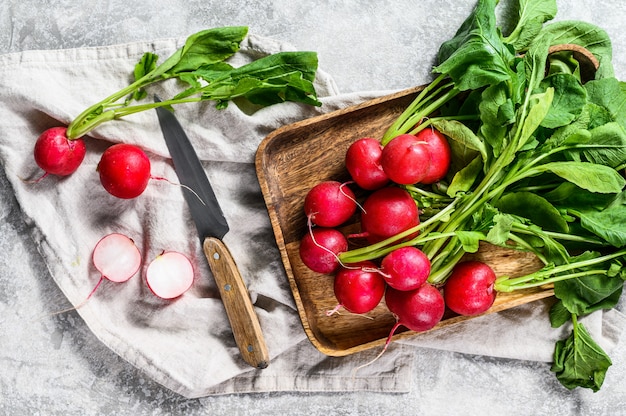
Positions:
(380, 174)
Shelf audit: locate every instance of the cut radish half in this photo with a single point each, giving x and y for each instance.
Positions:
(169, 275)
(116, 257)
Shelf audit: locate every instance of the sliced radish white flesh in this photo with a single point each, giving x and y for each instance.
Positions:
(169, 275)
(116, 257)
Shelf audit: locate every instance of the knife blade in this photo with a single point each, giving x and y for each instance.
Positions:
(212, 227)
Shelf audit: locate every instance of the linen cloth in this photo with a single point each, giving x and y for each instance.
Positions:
(186, 344)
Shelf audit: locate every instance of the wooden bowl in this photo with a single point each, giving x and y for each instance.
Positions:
(294, 158)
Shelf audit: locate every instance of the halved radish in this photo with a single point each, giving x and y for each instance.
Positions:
(169, 275)
(116, 257)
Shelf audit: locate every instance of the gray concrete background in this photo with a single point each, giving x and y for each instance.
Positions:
(62, 369)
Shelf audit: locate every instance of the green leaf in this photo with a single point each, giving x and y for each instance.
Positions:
(590, 176)
(499, 233)
(608, 223)
(569, 100)
(465, 177)
(569, 196)
(609, 94)
(584, 34)
(146, 64)
(606, 145)
(496, 114)
(476, 56)
(470, 240)
(579, 361)
(531, 15)
(597, 115)
(540, 105)
(589, 293)
(284, 76)
(535, 208)
(462, 135)
(204, 48)
(559, 314)
(563, 62)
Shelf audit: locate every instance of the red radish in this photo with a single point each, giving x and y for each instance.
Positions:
(387, 212)
(405, 159)
(117, 258)
(406, 268)
(169, 275)
(319, 249)
(359, 289)
(440, 154)
(124, 170)
(329, 204)
(363, 163)
(470, 288)
(419, 309)
(56, 154)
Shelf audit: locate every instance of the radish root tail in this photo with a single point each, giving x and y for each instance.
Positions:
(380, 354)
(80, 304)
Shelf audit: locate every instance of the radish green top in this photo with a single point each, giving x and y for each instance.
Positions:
(201, 66)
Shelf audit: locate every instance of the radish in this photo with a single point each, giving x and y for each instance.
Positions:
(405, 268)
(406, 159)
(169, 275)
(470, 288)
(358, 289)
(116, 257)
(419, 310)
(440, 154)
(363, 163)
(329, 204)
(319, 249)
(124, 170)
(56, 154)
(387, 212)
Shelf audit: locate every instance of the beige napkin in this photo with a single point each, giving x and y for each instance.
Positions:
(186, 344)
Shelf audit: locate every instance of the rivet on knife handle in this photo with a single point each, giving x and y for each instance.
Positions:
(237, 302)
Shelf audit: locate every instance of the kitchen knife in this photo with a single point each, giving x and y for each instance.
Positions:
(212, 226)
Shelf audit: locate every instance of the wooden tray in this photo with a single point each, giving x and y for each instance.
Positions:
(294, 158)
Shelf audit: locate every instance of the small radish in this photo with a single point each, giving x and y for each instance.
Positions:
(56, 154)
(320, 247)
(124, 170)
(440, 154)
(387, 212)
(169, 275)
(117, 258)
(406, 268)
(329, 204)
(358, 289)
(470, 288)
(405, 159)
(419, 310)
(363, 163)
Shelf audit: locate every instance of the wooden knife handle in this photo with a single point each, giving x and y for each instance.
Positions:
(243, 319)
